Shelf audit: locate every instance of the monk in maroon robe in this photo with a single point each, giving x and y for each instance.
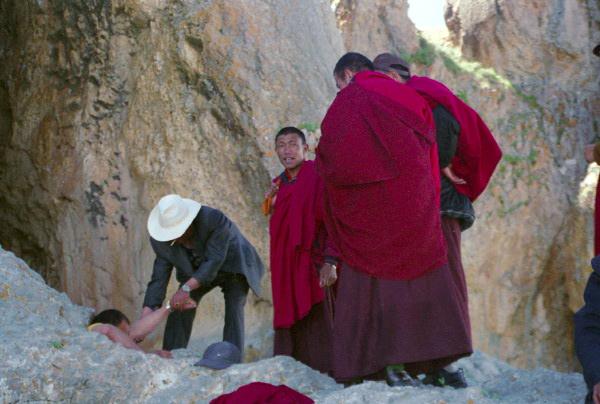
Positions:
(378, 158)
(302, 261)
(468, 156)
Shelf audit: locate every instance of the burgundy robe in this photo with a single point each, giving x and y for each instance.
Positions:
(477, 153)
(301, 321)
(378, 158)
(396, 301)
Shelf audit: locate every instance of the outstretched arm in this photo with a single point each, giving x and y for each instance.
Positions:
(118, 336)
(147, 323)
(150, 319)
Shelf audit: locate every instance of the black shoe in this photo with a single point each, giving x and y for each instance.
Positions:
(396, 378)
(443, 378)
(353, 382)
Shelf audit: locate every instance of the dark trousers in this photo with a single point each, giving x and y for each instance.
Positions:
(235, 290)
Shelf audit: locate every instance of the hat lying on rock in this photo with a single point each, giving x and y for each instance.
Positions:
(220, 355)
(171, 217)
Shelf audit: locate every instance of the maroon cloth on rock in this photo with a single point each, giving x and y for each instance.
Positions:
(381, 176)
(263, 393)
(477, 152)
(420, 323)
(294, 226)
(309, 340)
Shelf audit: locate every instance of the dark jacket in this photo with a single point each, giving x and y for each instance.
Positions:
(218, 246)
(587, 328)
(452, 203)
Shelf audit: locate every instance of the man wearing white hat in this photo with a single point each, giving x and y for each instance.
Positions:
(207, 250)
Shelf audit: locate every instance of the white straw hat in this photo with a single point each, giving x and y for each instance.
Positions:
(171, 217)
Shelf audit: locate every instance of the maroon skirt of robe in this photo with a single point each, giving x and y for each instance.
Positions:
(422, 323)
(308, 340)
(452, 234)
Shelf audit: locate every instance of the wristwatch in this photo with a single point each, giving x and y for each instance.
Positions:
(168, 306)
(186, 288)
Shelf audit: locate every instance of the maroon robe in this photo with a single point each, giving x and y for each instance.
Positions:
(375, 156)
(301, 321)
(396, 297)
(263, 393)
(477, 153)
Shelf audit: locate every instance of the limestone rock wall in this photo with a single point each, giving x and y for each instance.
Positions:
(107, 106)
(537, 257)
(370, 26)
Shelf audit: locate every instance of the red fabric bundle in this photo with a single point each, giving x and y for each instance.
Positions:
(293, 228)
(263, 393)
(477, 153)
(381, 178)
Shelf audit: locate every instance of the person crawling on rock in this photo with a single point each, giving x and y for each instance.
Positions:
(116, 326)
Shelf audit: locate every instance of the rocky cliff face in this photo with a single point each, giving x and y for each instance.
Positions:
(48, 355)
(107, 106)
(375, 25)
(537, 258)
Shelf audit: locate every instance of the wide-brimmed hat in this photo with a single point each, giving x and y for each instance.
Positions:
(171, 217)
(220, 355)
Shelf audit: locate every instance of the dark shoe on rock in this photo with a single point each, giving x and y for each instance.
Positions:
(443, 378)
(395, 378)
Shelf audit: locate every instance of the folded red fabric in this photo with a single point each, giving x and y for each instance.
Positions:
(477, 152)
(263, 393)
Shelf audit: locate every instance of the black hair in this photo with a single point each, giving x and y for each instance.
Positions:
(291, 129)
(354, 62)
(110, 316)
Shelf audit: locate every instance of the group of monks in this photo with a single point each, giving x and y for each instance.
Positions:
(367, 277)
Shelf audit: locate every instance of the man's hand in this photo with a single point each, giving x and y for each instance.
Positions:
(327, 275)
(596, 393)
(162, 353)
(189, 304)
(180, 300)
(588, 153)
(448, 173)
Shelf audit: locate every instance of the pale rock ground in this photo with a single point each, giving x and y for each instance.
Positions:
(48, 355)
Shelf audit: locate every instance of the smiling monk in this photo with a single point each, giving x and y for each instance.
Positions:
(302, 262)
